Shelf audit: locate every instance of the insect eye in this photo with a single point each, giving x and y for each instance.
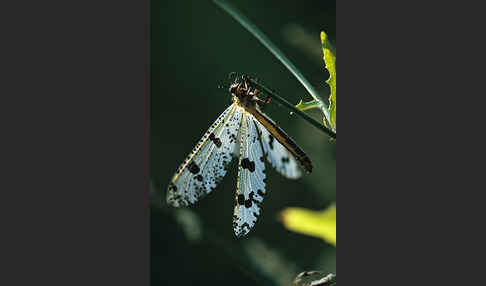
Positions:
(232, 89)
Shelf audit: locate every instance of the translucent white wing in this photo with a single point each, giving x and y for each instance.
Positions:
(204, 168)
(280, 158)
(251, 178)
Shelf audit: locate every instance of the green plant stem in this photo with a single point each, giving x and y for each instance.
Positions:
(294, 109)
(245, 22)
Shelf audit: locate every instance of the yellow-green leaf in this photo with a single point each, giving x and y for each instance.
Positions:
(330, 62)
(303, 106)
(315, 223)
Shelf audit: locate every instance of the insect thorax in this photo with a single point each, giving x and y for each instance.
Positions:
(246, 101)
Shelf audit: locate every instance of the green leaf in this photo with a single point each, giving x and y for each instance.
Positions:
(330, 62)
(303, 106)
(247, 24)
(315, 223)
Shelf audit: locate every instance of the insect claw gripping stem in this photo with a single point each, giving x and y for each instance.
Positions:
(267, 101)
(261, 101)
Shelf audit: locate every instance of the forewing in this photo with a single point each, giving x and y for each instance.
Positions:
(251, 178)
(206, 165)
(280, 158)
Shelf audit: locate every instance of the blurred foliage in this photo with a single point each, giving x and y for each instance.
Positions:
(316, 223)
(194, 46)
(299, 37)
(270, 261)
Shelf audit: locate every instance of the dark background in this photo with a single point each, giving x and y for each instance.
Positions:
(194, 46)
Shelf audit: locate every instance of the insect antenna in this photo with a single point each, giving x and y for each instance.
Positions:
(232, 76)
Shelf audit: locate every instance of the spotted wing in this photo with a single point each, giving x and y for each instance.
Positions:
(251, 178)
(280, 158)
(204, 168)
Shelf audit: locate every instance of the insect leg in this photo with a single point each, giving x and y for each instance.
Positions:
(261, 101)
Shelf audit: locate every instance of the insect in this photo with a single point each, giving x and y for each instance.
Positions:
(242, 129)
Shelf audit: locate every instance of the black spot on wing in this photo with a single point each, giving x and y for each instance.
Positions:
(193, 167)
(245, 227)
(285, 160)
(215, 140)
(241, 199)
(270, 141)
(247, 164)
(199, 178)
(172, 187)
(251, 200)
